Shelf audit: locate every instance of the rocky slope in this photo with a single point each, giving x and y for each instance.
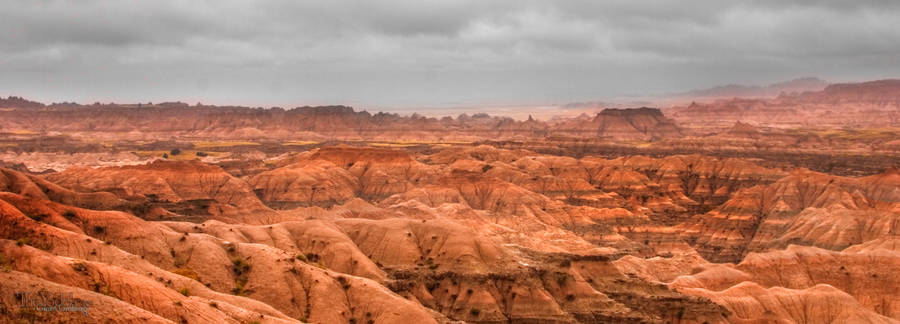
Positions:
(804, 208)
(334, 269)
(351, 234)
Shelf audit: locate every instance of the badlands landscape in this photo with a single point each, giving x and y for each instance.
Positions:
(780, 209)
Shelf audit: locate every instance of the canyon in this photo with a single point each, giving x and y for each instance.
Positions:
(743, 210)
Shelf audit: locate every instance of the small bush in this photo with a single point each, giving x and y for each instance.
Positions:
(185, 291)
(69, 214)
(239, 266)
(344, 282)
(175, 152)
(474, 311)
(302, 257)
(37, 217)
(79, 267)
(201, 154)
(561, 278)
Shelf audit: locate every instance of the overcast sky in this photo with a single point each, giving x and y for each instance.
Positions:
(422, 53)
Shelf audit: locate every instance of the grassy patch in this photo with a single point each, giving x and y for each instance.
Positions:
(22, 132)
(299, 143)
(391, 144)
(183, 155)
(186, 272)
(209, 144)
(241, 270)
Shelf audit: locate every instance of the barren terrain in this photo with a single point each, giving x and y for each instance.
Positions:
(783, 210)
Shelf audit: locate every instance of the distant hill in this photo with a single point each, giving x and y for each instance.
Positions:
(870, 104)
(149, 121)
(750, 91)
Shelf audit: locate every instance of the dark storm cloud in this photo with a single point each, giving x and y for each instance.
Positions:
(429, 52)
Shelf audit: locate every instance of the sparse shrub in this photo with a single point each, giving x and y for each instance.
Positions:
(185, 291)
(186, 272)
(69, 214)
(174, 152)
(474, 311)
(241, 270)
(345, 283)
(201, 154)
(431, 286)
(240, 266)
(486, 168)
(99, 229)
(37, 217)
(165, 155)
(561, 278)
(302, 257)
(79, 267)
(213, 305)
(23, 241)
(141, 209)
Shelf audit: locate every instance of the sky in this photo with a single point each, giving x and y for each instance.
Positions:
(424, 54)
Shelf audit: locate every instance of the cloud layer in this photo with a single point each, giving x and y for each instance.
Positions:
(431, 53)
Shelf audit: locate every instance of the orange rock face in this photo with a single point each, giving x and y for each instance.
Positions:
(328, 215)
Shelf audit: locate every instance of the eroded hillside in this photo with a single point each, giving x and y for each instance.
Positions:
(462, 233)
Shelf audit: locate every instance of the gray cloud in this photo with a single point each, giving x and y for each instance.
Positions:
(431, 53)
